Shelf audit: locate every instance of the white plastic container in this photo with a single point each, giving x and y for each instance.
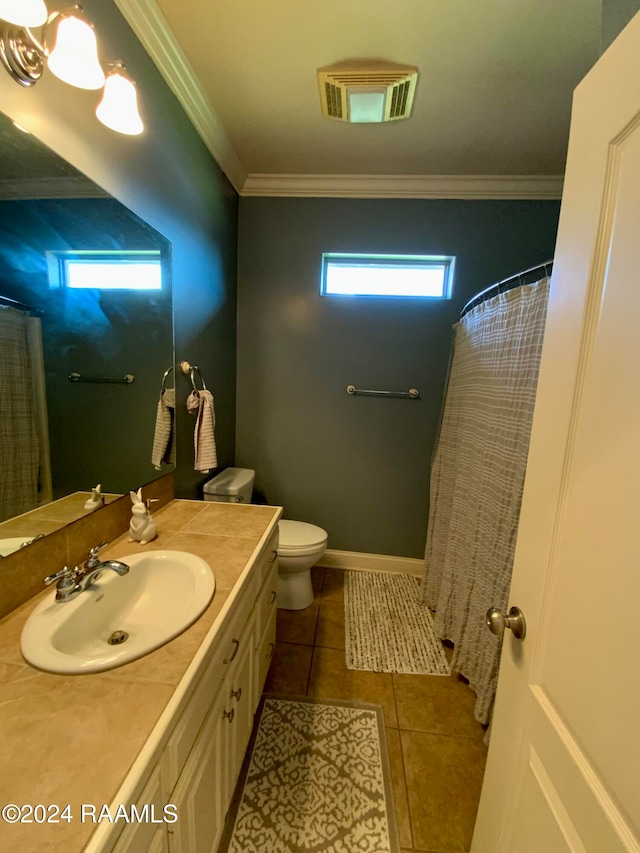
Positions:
(233, 485)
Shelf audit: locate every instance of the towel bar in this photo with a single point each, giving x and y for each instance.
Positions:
(127, 379)
(412, 393)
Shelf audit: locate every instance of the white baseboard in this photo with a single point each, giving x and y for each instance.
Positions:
(370, 562)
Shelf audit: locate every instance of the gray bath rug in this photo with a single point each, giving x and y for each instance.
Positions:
(386, 627)
(318, 780)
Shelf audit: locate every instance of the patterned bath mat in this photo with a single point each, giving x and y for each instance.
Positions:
(318, 780)
(386, 627)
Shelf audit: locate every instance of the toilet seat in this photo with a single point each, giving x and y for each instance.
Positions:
(298, 538)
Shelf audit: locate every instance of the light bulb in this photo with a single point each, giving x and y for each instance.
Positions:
(74, 58)
(118, 108)
(23, 13)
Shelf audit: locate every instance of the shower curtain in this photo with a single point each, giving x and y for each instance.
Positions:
(477, 477)
(19, 449)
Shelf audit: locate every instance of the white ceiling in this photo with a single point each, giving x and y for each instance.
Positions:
(493, 97)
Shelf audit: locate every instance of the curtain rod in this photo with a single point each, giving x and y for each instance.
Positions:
(13, 303)
(504, 285)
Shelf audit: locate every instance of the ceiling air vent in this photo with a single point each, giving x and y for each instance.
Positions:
(367, 91)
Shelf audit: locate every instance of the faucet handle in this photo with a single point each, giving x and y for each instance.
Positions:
(94, 551)
(65, 572)
(93, 555)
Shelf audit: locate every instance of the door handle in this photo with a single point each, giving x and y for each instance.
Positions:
(515, 621)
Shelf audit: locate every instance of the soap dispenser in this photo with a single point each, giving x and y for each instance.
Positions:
(142, 528)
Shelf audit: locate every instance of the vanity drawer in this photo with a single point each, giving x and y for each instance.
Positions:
(267, 559)
(266, 601)
(234, 636)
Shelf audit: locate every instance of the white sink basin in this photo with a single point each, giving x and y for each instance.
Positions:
(8, 546)
(162, 594)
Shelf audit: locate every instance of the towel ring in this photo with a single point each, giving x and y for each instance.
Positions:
(164, 378)
(190, 370)
(193, 381)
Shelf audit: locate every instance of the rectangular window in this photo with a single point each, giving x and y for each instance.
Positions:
(422, 276)
(106, 270)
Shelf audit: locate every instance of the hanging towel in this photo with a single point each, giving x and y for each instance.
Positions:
(200, 403)
(164, 451)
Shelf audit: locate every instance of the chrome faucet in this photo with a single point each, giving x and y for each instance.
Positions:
(25, 543)
(71, 582)
(29, 541)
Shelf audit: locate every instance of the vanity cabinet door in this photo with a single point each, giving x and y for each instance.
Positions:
(264, 656)
(146, 834)
(239, 708)
(200, 795)
(265, 635)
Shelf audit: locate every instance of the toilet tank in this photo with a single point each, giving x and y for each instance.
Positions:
(233, 485)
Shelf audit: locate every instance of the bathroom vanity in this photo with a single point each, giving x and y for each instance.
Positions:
(166, 733)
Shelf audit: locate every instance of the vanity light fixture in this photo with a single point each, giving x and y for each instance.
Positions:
(118, 108)
(24, 13)
(73, 58)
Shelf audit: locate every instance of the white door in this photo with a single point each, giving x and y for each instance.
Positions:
(563, 770)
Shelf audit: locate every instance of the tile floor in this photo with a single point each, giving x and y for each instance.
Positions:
(435, 744)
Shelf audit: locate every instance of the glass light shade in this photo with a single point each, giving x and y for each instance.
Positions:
(74, 58)
(366, 105)
(23, 13)
(118, 108)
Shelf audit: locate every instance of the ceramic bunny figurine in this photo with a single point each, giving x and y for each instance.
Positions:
(96, 500)
(142, 528)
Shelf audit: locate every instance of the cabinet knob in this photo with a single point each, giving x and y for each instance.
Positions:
(230, 714)
(272, 649)
(273, 597)
(275, 554)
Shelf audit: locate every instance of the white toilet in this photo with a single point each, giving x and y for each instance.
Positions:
(300, 544)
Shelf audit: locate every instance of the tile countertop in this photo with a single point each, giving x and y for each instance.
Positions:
(72, 739)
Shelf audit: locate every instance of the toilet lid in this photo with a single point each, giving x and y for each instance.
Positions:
(298, 534)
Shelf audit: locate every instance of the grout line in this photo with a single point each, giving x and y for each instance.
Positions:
(315, 630)
(406, 790)
(318, 597)
(443, 734)
(404, 769)
(313, 653)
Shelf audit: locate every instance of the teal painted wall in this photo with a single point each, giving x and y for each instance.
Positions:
(616, 14)
(359, 467)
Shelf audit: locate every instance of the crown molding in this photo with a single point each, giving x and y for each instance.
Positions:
(151, 27)
(406, 186)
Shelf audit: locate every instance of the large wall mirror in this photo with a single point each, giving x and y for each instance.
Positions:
(85, 292)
